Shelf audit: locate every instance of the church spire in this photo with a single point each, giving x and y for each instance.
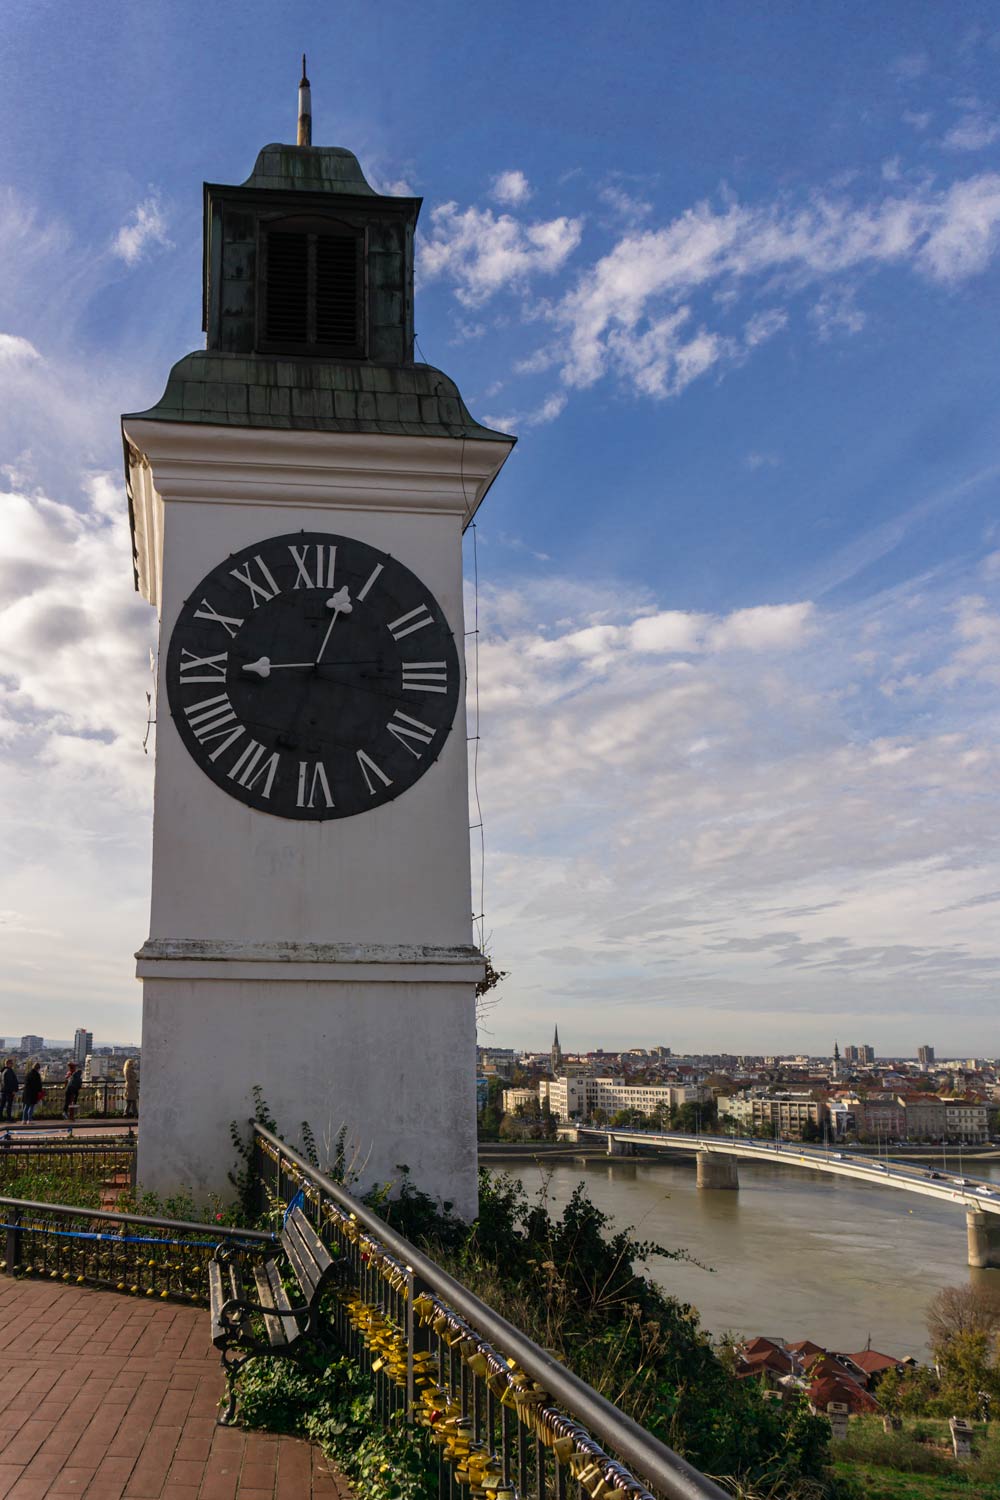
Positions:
(555, 1057)
(305, 132)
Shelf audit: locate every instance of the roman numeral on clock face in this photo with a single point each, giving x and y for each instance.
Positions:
(407, 730)
(203, 668)
(248, 768)
(414, 619)
(425, 676)
(362, 593)
(213, 719)
(316, 782)
(324, 560)
(260, 592)
(368, 765)
(229, 623)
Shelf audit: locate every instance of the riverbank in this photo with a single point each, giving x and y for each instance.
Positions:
(792, 1254)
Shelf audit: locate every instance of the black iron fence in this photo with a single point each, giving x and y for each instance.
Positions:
(103, 1098)
(110, 1161)
(164, 1258)
(508, 1419)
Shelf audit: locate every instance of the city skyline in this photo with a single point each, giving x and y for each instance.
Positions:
(738, 592)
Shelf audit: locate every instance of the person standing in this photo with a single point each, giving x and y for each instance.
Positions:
(131, 1075)
(74, 1082)
(31, 1092)
(8, 1089)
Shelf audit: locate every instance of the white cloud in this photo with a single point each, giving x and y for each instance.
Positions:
(707, 814)
(147, 226)
(547, 411)
(614, 316)
(511, 188)
(755, 460)
(629, 208)
(976, 130)
(918, 119)
(763, 326)
(15, 350)
(837, 312)
(482, 252)
(655, 311)
(74, 783)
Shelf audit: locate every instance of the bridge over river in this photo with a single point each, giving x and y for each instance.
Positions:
(717, 1158)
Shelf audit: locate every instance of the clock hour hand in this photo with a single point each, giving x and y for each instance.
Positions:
(340, 603)
(264, 666)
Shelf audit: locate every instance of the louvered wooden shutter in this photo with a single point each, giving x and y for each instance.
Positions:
(287, 288)
(312, 298)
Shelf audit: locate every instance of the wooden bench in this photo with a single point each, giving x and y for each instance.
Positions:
(270, 1323)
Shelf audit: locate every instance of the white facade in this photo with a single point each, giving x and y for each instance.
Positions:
(575, 1095)
(331, 963)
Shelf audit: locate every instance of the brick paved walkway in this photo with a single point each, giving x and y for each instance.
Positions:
(109, 1397)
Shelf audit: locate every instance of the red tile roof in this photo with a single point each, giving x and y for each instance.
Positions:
(873, 1363)
(830, 1388)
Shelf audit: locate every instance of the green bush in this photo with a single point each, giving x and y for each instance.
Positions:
(326, 1398)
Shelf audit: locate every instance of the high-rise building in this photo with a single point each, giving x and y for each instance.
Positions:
(925, 1055)
(852, 1054)
(83, 1042)
(866, 1053)
(32, 1043)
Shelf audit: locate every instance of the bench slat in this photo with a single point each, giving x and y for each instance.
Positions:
(280, 1331)
(282, 1300)
(216, 1300)
(310, 1258)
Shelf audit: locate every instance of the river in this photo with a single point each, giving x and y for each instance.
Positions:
(793, 1254)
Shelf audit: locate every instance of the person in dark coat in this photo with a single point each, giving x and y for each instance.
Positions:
(31, 1092)
(8, 1089)
(74, 1082)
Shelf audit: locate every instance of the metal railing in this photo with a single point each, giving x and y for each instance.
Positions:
(98, 1100)
(112, 1161)
(507, 1417)
(164, 1258)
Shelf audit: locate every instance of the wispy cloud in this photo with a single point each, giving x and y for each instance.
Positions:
(145, 229)
(977, 129)
(655, 311)
(662, 785)
(482, 252)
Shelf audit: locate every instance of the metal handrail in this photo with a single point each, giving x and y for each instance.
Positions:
(660, 1465)
(67, 1211)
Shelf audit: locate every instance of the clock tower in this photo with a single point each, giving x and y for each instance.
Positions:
(297, 498)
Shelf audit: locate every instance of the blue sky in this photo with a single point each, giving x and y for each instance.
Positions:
(730, 272)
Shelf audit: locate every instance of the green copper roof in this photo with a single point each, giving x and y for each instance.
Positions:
(308, 169)
(237, 390)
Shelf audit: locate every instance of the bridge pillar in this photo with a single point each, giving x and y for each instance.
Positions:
(619, 1148)
(984, 1238)
(716, 1170)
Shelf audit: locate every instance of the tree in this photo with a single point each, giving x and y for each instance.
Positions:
(958, 1310)
(968, 1372)
(811, 1131)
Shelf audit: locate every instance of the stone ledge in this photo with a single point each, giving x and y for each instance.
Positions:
(364, 963)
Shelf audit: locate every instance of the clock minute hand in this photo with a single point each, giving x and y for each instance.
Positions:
(340, 603)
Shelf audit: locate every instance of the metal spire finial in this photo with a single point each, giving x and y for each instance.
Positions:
(305, 108)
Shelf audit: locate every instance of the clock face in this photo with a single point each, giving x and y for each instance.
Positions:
(312, 676)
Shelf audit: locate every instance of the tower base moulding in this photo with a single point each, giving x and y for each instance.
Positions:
(382, 1048)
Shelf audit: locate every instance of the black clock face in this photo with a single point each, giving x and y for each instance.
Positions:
(312, 676)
